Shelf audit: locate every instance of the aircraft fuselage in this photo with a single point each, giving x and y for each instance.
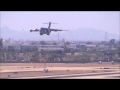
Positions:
(45, 31)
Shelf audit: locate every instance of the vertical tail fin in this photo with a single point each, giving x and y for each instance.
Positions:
(49, 25)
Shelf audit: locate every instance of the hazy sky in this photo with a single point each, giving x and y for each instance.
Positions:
(19, 20)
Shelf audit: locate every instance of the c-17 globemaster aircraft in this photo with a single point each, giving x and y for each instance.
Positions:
(46, 30)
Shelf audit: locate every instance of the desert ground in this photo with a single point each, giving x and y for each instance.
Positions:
(13, 70)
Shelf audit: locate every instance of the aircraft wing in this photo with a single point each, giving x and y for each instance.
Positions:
(36, 30)
(57, 30)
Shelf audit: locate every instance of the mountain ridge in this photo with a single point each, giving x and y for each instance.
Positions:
(84, 34)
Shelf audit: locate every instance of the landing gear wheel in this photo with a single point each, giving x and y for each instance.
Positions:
(41, 34)
(48, 33)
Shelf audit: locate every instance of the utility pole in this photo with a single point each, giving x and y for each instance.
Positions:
(5, 56)
(44, 64)
(44, 59)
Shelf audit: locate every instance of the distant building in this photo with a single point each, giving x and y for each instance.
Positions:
(91, 46)
(102, 48)
(50, 48)
(42, 47)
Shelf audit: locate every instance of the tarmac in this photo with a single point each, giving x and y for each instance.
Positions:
(101, 75)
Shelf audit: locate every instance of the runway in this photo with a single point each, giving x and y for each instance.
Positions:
(102, 75)
(112, 76)
(59, 71)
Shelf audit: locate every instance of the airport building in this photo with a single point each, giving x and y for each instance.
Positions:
(42, 47)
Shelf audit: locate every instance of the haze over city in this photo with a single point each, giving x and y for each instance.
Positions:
(107, 21)
(17, 20)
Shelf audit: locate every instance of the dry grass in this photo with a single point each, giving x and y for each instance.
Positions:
(57, 64)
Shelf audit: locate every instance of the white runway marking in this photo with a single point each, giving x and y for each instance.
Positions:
(94, 77)
(73, 76)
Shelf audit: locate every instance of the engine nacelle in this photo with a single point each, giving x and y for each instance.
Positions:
(31, 30)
